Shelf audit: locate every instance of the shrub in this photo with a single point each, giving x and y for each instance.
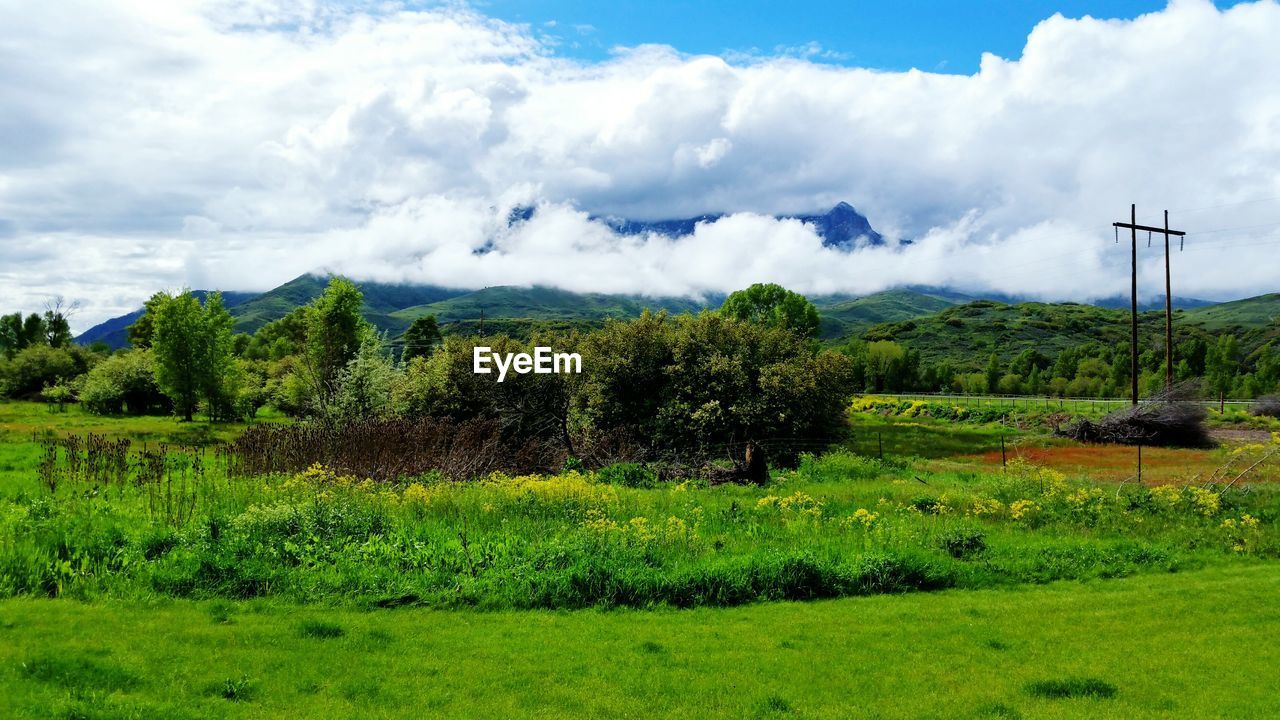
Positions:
(628, 475)
(1268, 406)
(125, 381)
(962, 543)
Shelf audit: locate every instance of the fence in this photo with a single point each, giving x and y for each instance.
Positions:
(1032, 402)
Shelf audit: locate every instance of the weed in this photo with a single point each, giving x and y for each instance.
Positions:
(773, 705)
(320, 629)
(963, 543)
(239, 689)
(79, 674)
(1071, 688)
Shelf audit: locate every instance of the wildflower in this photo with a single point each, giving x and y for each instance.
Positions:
(1020, 509)
(1205, 502)
(862, 517)
(985, 506)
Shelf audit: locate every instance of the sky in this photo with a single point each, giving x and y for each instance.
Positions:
(235, 144)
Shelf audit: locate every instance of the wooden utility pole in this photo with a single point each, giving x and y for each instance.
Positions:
(1168, 312)
(1134, 227)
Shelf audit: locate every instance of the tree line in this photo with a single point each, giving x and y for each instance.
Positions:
(1089, 370)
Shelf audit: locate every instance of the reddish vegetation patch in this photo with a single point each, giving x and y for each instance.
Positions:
(1115, 462)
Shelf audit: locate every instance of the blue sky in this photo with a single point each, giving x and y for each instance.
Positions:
(947, 36)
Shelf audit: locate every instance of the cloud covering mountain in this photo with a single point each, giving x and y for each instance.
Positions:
(238, 143)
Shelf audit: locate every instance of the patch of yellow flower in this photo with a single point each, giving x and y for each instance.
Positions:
(638, 530)
(861, 517)
(1243, 533)
(1023, 509)
(1205, 502)
(985, 506)
(1085, 499)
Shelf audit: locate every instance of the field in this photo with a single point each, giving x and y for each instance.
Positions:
(934, 581)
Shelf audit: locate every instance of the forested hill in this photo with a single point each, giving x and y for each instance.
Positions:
(967, 335)
(518, 310)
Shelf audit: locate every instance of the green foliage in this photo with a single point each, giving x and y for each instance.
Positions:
(126, 381)
(38, 366)
(627, 475)
(335, 332)
(709, 379)
(366, 387)
(421, 339)
(192, 348)
(773, 306)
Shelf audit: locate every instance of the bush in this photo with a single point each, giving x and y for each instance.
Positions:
(963, 543)
(1268, 406)
(125, 381)
(628, 475)
(40, 366)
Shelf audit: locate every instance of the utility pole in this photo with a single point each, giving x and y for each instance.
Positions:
(1134, 227)
(1168, 312)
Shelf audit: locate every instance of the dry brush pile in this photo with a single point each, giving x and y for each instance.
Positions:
(1171, 419)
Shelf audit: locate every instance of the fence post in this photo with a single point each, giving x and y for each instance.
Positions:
(1003, 462)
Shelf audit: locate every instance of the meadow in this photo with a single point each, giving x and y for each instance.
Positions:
(931, 582)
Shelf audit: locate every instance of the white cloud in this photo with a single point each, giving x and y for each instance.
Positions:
(240, 142)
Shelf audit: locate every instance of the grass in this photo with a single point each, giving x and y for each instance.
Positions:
(1181, 645)
(304, 596)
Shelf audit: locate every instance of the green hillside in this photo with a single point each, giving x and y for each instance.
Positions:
(1248, 314)
(852, 317)
(968, 334)
(381, 300)
(541, 303)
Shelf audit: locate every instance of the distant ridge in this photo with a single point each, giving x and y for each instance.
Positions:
(840, 227)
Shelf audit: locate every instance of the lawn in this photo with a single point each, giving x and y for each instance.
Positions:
(1158, 646)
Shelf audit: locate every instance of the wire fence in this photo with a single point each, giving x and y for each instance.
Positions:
(1032, 402)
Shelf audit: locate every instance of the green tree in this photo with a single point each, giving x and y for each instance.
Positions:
(774, 306)
(220, 374)
(421, 339)
(993, 374)
(335, 331)
(143, 329)
(179, 343)
(193, 354)
(1222, 364)
(33, 332)
(10, 334)
(882, 355)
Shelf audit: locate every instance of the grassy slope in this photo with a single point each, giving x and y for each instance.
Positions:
(381, 299)
(1261, 311)
(1184, 645)
(543, 303)
(854, 316)
(967, 334)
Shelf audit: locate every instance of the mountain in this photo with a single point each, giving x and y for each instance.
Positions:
(380, 301)
(840, 227)
(115, 332)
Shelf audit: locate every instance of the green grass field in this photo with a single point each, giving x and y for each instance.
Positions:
(1198, 645)
(1037, 593)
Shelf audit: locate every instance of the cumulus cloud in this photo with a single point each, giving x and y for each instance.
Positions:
(238, 143)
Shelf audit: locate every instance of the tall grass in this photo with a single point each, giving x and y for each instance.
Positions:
(838, 525)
